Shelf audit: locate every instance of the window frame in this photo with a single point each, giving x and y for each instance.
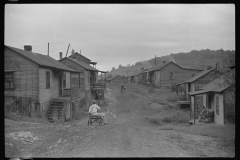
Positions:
(13, 80)
(48, 80)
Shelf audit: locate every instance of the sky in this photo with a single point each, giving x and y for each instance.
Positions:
(113, 34)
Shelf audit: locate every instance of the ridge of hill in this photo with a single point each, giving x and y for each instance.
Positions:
(197, 59)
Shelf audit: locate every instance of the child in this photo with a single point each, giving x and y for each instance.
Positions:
(93, 110)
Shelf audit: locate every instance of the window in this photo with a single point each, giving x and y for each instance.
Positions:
(217, 105)
(193, 74)
(47, 80)
(9, 80)
(171, 75)
(64, 80)
(155, 75)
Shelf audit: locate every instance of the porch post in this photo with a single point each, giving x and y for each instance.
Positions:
(101, 78)
(194, 110)
(70, 85)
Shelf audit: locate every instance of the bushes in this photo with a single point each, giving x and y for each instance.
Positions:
(172, 117)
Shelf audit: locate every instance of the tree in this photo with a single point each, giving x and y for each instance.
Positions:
(229, 80)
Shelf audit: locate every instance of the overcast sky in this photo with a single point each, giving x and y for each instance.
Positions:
(113, 34)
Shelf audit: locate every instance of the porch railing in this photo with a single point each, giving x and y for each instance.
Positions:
(98, 86)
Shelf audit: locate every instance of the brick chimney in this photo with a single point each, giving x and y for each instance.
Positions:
(60, 55)
(28, 48)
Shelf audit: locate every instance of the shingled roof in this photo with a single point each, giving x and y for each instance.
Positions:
(160, 66)
(111, 78)
(42, 60)
(135, 73)
(83, 64)
(215, 86)
(199, 75)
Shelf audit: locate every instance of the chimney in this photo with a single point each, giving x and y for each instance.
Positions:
(60, 55)
(209, 67)
(28, 48)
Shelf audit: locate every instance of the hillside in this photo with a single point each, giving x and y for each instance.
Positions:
(193, 59)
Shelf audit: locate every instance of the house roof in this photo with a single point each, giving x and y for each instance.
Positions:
(135, 73)
(160, 66)
(111, 78)
(42, 60)
(215, 86)
(199, 75)
(81, 63)
(78, 54)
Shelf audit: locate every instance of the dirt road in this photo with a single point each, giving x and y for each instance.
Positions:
(128, 134)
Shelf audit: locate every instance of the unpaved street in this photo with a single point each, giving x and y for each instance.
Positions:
(128, 134)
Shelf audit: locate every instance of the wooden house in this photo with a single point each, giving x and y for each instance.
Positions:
(91, 88)
(40, 77)
(116, 79)
(168, 74)
(214, 95)
(195, 83)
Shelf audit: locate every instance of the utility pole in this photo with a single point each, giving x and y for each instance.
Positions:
(155, 60)
(48, 49)
(67, 49)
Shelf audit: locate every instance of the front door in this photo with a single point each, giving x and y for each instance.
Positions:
(208, 99)
(60, 85)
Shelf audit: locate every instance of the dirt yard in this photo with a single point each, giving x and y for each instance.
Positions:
(129, 133)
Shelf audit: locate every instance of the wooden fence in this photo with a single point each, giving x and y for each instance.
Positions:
(23, 105)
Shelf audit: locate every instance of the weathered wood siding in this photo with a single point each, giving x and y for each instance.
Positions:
(139, 77)
(84, 85)
(80, 58)
(207, 78)
(118, 79)
(179, 75)
(45, 94)
(25, 75)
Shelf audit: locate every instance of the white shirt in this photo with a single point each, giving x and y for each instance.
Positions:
(93, 108)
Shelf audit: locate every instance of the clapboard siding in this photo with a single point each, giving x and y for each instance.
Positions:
(179, 75)
(87, 81)
(207, 78)
(25, 75)
(80, 58)
(85, 86)
(118, 79)
(53, 91)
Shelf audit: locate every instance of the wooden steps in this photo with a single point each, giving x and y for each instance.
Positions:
(55, 111)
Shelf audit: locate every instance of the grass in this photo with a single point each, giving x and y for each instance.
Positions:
(170, 116)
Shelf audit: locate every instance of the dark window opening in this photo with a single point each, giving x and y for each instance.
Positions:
(9, 80)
